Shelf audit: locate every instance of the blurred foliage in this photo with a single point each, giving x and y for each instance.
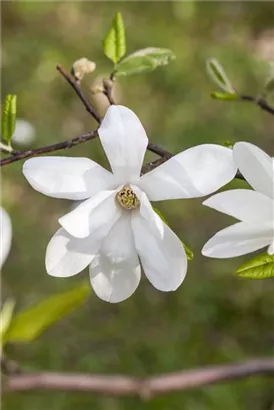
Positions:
(215, 316)
(28, 324)
(8, 118)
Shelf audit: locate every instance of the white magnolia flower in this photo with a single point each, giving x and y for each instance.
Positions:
(254, 209)
(116, 228)
(6, 235)
(24, 133)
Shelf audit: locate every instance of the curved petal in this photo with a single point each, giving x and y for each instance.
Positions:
(256, 166)
(243, 204)
(161, 252)
(196, 172)
(6, 235)
(65, 177)
(124, 141)
(239, 239)
(91, 214)
(115, 273)
(270, 249)
(66, 256)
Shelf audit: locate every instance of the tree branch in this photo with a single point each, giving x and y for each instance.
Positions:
(49, 148)
(261, 102)
(119, 385)
(108, 85)
(80, 94)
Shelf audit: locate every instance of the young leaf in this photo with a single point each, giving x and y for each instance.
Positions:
(143, 60)
(8, 121)
(218, 75)
(224, 96)
(114, 43)
(260, 267)
(30, 322)
(188, 251)
(6, 317)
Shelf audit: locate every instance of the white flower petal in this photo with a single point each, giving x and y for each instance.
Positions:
(65, 177)
(124, 141)
(270, 249)
(115, 273)
(239, 239)
(256, 166)
(243, 204)
(161, 252)
(91, 214)
(66, 256)
(196, 172)
(6, 235)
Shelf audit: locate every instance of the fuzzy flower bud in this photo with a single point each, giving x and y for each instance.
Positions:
(82, 67)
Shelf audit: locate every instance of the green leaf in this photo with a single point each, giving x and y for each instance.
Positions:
(188, 251)
(8, 121)
(224, 96)
(144, 60)
(114, 43)
(6, 317)
(228, 144)
(218, 75)
(260, 267)
(29, 323)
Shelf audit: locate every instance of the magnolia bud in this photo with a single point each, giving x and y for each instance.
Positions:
(96, 90)
(82, 67)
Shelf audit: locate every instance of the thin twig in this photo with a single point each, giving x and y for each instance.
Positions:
(153, 164)
(119, 385)
(49, 148)
(108, 85)
(261, 102)
(74, 84)
(159, 151)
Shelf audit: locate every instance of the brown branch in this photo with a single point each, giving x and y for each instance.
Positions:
(49, 148)
(108, 85)
(18, 155)
(74, 84)
(119, 385)
(261, 102)
(153, 164)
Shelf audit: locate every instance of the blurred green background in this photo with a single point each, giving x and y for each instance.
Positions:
(214, 317)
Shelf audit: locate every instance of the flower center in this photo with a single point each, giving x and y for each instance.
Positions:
(127, 198)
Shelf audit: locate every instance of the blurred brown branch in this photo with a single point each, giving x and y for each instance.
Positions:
(262, 103)
(119, 385)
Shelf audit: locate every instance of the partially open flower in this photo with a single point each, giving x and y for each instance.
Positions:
(82, 67)
(115, 229)
(6, 235)
(254, 209)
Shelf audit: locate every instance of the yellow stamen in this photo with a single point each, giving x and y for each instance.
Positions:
(127, 198)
